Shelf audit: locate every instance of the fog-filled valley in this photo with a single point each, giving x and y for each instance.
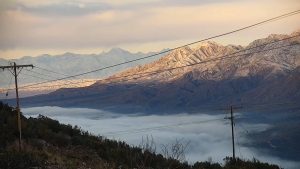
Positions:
(207, 134)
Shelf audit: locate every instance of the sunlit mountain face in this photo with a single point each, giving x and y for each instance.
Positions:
(221, 78)
(196, 77)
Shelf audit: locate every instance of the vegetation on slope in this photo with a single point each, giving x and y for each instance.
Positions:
(49, 144)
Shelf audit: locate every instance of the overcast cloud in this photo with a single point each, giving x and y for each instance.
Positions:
(31, 27)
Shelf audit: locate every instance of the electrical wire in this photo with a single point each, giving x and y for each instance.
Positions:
(238, 143)
(135, 131)
(52, 71)
(86, 95)
(38, 73)
(42, 78)
(169, 50)
(197, 63)
(269, 106)
(68, 81)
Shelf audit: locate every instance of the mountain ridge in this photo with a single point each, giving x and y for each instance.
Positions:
(252, 76)
(72, 63)
(186, 56)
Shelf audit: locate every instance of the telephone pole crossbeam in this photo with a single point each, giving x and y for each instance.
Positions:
(17, 66)
(14, 67)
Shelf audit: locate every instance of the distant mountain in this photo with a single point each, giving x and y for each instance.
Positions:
(268, 63)
(70, 64)
(254, 76)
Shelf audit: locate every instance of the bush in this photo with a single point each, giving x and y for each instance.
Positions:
(24, 160)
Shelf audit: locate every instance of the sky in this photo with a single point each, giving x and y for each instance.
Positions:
(35, 27)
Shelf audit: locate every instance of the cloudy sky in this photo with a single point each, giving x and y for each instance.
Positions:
(34, 27)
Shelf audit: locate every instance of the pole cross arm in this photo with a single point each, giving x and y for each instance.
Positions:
(17, 66)
(233, 107)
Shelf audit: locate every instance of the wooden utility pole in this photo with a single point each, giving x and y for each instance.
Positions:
(232, 132)
(13, 69)
(231, 118)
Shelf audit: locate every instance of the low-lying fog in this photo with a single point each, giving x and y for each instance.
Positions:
(208, 135)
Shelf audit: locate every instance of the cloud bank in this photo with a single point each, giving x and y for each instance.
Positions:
(209, 135)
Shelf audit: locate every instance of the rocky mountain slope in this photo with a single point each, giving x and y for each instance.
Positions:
(239, 65)
(192, 77)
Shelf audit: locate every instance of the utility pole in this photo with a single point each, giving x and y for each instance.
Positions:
(232, 132)
(13, 69)
(232, 129)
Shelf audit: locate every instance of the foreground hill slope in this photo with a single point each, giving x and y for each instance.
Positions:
(49, 144)
(195, 77)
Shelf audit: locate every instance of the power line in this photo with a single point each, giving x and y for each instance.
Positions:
(238, 144)
(51, 71)
(107, 96)
(140, 130)
(197, 63)
(134, 131)
(244, 104)
(266, 104)
(169, 50)
(44, 69)
(289, 106)
(160, 127)
(68, 81)
(42, 78)
(40, 73)
(8, 88)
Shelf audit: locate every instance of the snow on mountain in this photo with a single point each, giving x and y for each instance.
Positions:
(244, 64)
(70, 64)
(210, 73)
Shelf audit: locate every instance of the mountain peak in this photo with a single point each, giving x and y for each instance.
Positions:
(270, 38)
(297, 32)
(117, 51)
(276, 36)
(68, 53)
(208, 44)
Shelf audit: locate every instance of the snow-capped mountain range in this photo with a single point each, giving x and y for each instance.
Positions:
(242, 64)
(66, 64)
(71, 63)
(196, 76)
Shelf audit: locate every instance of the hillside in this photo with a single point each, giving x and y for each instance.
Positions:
(258, 75)
(49, 144)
